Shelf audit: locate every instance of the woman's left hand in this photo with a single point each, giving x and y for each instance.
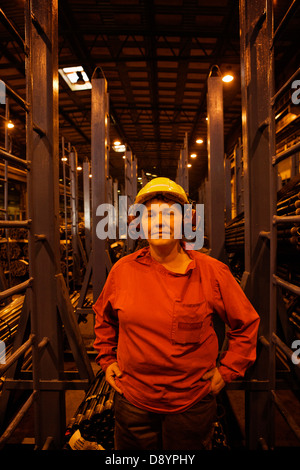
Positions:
(217, 382)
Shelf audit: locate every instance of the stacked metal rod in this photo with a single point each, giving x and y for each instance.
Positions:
(95, 414)
(9, 320)
(289, 204)
(234, 234)
(288, 236)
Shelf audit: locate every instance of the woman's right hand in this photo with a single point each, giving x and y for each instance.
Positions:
(113, 371)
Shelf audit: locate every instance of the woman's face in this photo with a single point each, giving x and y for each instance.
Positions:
(162, 222)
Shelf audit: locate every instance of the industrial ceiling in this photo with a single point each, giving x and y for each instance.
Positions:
(156, 56)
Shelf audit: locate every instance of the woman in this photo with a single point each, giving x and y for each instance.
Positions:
(155, 336)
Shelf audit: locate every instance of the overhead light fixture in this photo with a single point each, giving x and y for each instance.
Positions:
(76, 78)
(79, 168)
(189, 165)
(199, 141)
(118, 146)
(193, 155)
(64, 159)
(10, 125)
(227, 78)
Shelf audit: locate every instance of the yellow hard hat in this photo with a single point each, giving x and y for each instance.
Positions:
(163, 186)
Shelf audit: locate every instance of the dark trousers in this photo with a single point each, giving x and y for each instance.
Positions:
(137, 429)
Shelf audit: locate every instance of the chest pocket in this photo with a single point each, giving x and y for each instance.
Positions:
(188, 321)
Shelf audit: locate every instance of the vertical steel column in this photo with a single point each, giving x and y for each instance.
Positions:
(5, 200)
(43, 209)
(73, 160)
(115, 198)
(87, 205)
(185, 159)
(229, 212)
(99, 164)
(130, 192)
(182, 176)
(238, 178)
(257, 84)
(215, 144)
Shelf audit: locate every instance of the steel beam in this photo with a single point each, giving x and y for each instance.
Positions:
(87, 205)
(100, 166)
(215, 144)
(73, 159)
(257, 87)
(239, 197)
(130, 169)
(43, 209)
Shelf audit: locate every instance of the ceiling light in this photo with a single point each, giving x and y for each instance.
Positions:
(189, 165)
(76, 78)
(193, 155)
(10, 125)
(79, 168)
(64, 159)
(118, 147)
(227, 78)
(199, 141)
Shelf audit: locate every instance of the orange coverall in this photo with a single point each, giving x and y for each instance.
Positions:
(158, 326)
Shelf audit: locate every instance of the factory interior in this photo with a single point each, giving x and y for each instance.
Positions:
(97, 98)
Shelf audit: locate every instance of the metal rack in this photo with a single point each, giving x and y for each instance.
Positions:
(261, 219)
(47, 304)
(74, 250)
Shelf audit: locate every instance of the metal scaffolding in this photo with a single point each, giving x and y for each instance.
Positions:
(260, 209)
(47, 310)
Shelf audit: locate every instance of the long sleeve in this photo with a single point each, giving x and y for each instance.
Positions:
(106, 325)
(238, 313)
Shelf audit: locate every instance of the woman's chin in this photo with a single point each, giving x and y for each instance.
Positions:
(162, 241)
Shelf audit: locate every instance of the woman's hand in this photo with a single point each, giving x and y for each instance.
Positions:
(216, 380)
(113, 371)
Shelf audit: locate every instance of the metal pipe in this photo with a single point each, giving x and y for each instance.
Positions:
(16, 289)
(284, 348)
(15, 356)
(290, 12)
(18, 418)
(285, 154)
(294, 219)
(42, 344)
(283, 88)
(24, 105)
(287, 285)
(264, 341)
(10, 27)
(15, 223)
(13, 159)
